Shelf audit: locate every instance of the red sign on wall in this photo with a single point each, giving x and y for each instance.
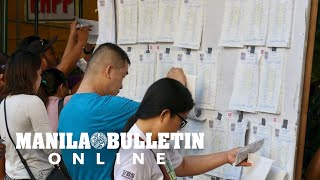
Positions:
(52, 10)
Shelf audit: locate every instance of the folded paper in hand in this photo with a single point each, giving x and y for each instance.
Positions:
(250, 148)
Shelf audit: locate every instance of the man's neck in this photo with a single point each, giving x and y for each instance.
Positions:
(90, 86)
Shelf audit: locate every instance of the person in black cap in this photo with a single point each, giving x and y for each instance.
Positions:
(76, 43)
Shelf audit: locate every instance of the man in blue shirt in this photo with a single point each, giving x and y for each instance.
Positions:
(95, 108)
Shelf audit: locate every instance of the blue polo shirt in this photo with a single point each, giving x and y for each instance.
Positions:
(91, 113)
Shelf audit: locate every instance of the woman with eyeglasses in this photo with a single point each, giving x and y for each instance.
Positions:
(165, 108)
(54, 92)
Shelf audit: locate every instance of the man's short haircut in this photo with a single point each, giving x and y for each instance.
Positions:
(107, 54)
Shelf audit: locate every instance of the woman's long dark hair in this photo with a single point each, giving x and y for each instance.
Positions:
(21, 73)
(50, 82)
(163, 94)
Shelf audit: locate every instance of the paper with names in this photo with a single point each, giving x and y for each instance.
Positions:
(127, 21)
(187, 62)
(219, 128)
(250, 148)
(207, 77)
(106, 15)
(232, 27)
(283, 147)
(190, 24)
(259, 131)
(167, 20)
(148, 11)
(271, 81)
(93, 33)
(165, 61)
(246, 82)
(256, 22)
(195, 127)
(231, 134)
(130, 81)
(145, 72)
(280, 23)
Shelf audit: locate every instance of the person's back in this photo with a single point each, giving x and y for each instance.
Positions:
(91, 113)
(25, 113)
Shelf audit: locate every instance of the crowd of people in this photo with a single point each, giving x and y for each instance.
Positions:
(36, 97)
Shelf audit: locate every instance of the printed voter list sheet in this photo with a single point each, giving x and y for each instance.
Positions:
(256, 22)
(219, 128)
(187, 61)
(107, 23)
(145, 72)
(232, 27)
(280, 23)
(148, 11)
(207, 77)
(93, 34)
(190, 25)
(283, 146)
(196, 127)
(167, 20)
(165, 61)
(246, 82)
(272, 62)
(130, 81)
(127, 21)
(258, 131)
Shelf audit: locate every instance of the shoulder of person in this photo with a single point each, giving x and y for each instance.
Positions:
(31, 100)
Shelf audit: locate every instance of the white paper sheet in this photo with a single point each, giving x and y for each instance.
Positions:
(219, 128)
(250, 148)
(82, 64)
(283, 147)
(259, 131)
(227, 134)
(148, 11)
(256, 22)
(106, 13)
(127, 21)
(191, 85)
(207, 77)
(165, 61)
(280, 23)
(190, 25)
(145, 72)
(167, 21)
(195, 127)
(271, 81)
(259, 169)
(187, 62)
(277, 173)
(93, 34)
(130, 81)
(232, 27)
(246, 82)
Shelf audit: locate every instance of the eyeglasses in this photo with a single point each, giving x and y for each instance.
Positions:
(183, 122)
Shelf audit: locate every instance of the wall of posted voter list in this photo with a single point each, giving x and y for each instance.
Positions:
(245, 65)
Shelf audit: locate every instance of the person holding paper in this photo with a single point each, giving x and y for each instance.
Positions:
(96, 108)
(75, 46)
(165, 108)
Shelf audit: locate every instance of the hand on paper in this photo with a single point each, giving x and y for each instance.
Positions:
(73, 28)
(177, 74)
(231, 157)
(83, 34)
